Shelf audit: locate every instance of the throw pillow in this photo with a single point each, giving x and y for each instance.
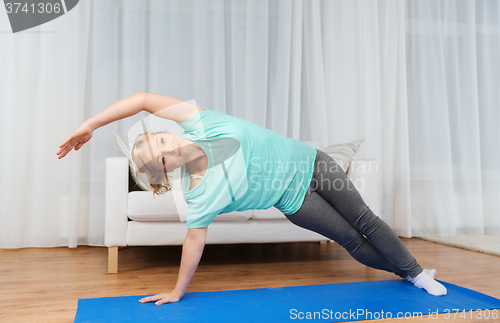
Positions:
(343, 153)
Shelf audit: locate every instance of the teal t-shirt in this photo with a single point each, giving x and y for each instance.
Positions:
(249, 167)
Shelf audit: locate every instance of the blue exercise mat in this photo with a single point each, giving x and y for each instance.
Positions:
(327, 303)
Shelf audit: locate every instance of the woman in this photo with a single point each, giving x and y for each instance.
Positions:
(236, 165)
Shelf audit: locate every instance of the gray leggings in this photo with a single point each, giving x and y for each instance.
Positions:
(333, 207)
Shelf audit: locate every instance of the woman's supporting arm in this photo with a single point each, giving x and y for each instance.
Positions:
(192, 250)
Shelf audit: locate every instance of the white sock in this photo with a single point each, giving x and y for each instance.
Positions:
(429, 284)
(430, 272)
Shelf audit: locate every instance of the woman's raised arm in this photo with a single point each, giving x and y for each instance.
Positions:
(160, 105)
(170, 108)
(124, 108)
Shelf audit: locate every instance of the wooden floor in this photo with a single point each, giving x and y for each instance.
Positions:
(43, 285)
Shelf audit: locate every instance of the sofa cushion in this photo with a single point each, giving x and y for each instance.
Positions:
(343, 153)
(144, 207)
(271, 213)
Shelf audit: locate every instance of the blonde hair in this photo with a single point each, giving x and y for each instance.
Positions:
(159, 181)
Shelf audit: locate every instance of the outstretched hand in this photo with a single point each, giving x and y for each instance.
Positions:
(164, 298)
(76, 140)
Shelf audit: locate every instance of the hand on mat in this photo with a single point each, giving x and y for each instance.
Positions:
(79, 137)
(164, 298)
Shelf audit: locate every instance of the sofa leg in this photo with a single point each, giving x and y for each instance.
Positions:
(113, 260)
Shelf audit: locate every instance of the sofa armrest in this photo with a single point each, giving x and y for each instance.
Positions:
(116, 221)
(364, 174)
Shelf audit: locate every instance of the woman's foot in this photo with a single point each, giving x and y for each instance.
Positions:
(430, 272)
(423, 280)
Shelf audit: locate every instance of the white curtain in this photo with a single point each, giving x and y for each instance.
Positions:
(417, 79)
(453, 76)
(45, 93)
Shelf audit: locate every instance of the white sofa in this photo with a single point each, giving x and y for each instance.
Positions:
(158, 220)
